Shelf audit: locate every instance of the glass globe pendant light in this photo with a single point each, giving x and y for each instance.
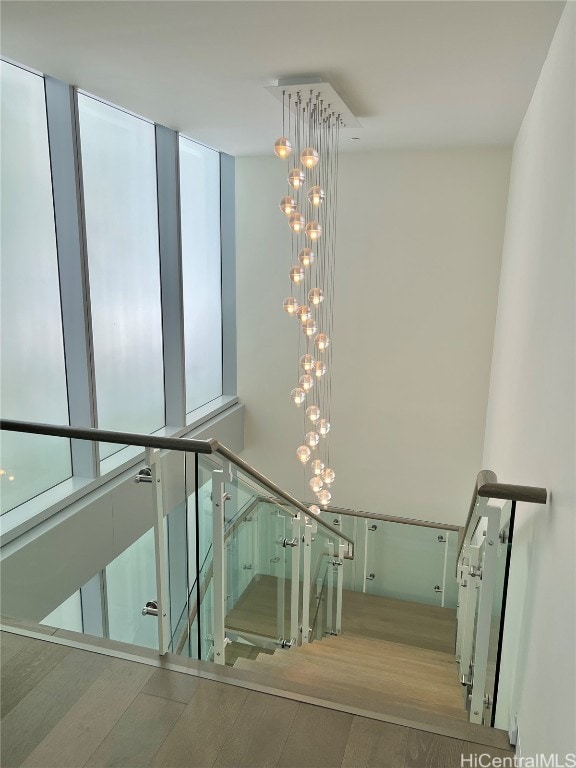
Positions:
(296, 222)
(298, 395)
(317, 466)
(323, 427)
(316, 196)
(324, 497)
(307, 363)
(313, 230)
(315, 296)
(306, 257)
(321, 342)
(306, 382)
(314, 509)
(296, 178)
(328, 475)
(297, 274)
(309, 157)
(309, 327)
(303, 453)
(312, 439)
(316, 483)
(290, 305)
(319, 368)
(304, 312)
(282, 147)
(313, 413)
(288, 205)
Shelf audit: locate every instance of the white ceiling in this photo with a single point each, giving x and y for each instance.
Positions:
(416, 74)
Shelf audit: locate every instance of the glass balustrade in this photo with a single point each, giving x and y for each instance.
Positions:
(197, 551)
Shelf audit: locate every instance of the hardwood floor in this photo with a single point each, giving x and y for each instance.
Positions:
(79, 708)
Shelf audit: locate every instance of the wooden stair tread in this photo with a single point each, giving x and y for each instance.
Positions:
(337, 664)
(443, 695)
(302, 679)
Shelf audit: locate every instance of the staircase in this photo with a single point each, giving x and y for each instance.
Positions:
(394, 657)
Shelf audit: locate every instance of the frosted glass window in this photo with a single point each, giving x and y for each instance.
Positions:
(119, 177)
(33, 380)
(201, 272)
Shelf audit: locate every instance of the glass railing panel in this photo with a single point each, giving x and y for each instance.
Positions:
(406, 562)
(323, 581)
(68, 615)
(258, 568)
(351, 527)
(318, 602)
(130, 584)
(176, 541)
(450, 583)
(202, 627)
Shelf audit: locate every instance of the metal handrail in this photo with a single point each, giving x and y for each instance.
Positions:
(393, 519)
(488, 487)
(107, 436)
(174, 444)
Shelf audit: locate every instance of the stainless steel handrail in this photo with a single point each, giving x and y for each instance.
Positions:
(488, 487)
(394, 519)
(174, 444)
(107, 436)
(271, 485)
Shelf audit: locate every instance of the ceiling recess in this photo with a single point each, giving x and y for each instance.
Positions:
(305, 86)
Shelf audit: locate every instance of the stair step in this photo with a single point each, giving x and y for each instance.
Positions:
(362, 688)
(412, 683)
(367, 648)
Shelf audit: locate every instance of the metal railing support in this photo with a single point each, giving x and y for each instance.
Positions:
(162, 595)
(295, 577)
(467, 610)
(306, 559)
(339, 588)
(330, 588)
(484, 620)
(281, 578)
(218, 567)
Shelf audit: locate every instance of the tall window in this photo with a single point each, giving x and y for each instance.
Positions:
(119, 178)
(201, 271)
(101, 349)
(33, 380)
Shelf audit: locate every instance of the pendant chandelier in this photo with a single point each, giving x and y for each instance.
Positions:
(309, 144)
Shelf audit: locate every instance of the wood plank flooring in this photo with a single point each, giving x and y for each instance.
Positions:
(79, 708)
(394, 657)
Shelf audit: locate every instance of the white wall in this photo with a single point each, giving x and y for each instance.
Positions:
(419, 247)
(531, 414)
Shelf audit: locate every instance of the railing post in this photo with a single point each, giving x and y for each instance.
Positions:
(162, 596)
(307, 555)
(218, 566)
(340, 587)
(295, 576)
(281, 579)
(330, 589)
(467, 610)
(484, 620)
